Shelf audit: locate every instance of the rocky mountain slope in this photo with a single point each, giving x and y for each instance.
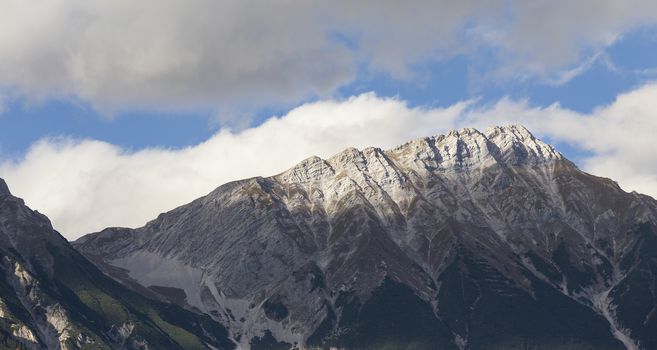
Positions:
(467, 240)
(51, 297)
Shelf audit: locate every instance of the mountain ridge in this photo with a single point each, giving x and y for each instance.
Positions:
(310, 255)
(51, 297)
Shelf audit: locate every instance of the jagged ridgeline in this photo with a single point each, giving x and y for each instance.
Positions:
(467, 240)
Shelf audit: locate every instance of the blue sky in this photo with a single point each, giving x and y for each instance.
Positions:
(99, 96)
(630, 62)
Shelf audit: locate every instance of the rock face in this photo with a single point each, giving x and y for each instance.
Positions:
(51, 297)
(467, 240)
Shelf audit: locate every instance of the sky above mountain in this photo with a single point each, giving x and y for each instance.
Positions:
(111, 112)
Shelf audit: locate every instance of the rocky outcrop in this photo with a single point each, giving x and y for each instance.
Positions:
(51, 297)
(467, 240)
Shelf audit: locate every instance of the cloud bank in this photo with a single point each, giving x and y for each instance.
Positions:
(118, 55)
(86, 185)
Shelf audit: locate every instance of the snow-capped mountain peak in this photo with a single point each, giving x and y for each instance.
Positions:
(470, 229)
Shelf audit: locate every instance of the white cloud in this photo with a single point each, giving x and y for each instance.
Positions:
(86, 185)
(160, 53)
(223, 54)
(618, 138)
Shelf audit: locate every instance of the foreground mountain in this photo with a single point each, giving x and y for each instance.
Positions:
(467, 240)
(51, 297)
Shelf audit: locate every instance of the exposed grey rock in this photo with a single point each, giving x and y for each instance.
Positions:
(497, 215)
(4, 190)
(51, 297)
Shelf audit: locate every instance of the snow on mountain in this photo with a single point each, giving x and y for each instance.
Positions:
(464, 240)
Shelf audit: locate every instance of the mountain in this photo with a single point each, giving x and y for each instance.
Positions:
(467, 240)
(51, 297)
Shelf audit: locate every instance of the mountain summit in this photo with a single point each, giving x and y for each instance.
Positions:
(466, 240)
(4, 190)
